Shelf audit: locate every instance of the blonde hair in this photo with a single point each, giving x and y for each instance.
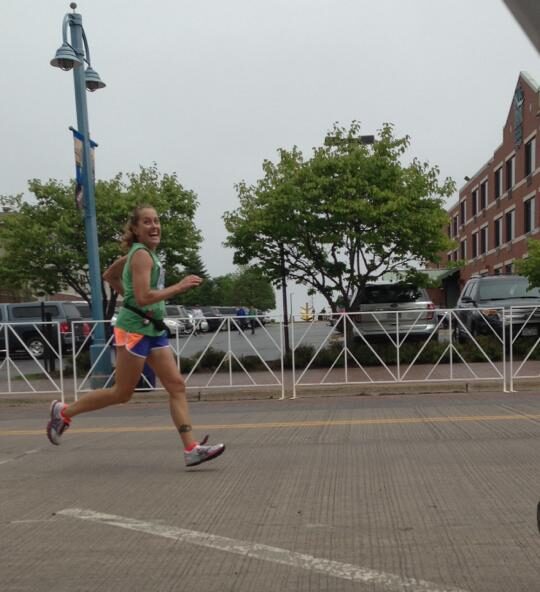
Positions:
(129, 237)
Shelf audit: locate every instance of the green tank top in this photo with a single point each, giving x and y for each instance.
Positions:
(131, 321)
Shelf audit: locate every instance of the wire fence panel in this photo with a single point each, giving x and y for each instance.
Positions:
(32, 358)
(496, 345)
(385, 346)
(524, 336)
(240, 353)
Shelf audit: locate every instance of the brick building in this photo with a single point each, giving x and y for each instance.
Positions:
(498, 210)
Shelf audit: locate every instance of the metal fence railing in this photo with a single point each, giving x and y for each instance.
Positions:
(496, 346)
(390, 347)
(32, 358)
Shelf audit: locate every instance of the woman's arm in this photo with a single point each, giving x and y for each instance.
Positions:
(113, 274)
(141, 269)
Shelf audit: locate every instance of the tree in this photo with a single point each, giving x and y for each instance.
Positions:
(251, 288)
(344, 217)
(44, 240)
(530, 267)
(246, 286)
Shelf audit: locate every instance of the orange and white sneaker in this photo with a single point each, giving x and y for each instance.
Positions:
(202, 453)
(58, 424)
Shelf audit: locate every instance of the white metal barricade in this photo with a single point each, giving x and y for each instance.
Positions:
(341, 349)
(231, 348)
(23, 369)
(524, 337)
(385, 347)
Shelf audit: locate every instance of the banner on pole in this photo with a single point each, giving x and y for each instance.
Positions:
(78, 140)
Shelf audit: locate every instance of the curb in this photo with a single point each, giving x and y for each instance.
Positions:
(195, 394)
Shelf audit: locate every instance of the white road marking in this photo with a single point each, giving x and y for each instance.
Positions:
(19, 456)
(386, 581)
(30, 521)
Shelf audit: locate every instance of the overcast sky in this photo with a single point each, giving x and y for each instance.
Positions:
(210, 88)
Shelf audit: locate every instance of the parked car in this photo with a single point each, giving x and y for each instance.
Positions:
(28, 333)
(227, 311)
(174, 314)
(232, 311)
(484, 306)
(199, 320)
(213, 317)
(266, 317)
(388, 309)
(174, 324)
(181, 313)
(84, 308)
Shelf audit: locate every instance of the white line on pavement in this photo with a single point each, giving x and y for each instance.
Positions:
(18, 457)
(386, 581)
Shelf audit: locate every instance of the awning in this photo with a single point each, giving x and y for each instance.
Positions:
(437, 275)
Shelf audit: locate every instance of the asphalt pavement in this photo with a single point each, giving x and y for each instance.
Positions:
(423, 493)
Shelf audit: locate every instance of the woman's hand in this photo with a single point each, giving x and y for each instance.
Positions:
(189, 282)
(113, 274)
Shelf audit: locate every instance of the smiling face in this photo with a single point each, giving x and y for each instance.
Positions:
(148, 229)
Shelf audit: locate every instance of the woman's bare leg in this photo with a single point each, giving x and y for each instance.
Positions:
(128, 373)
(163, 363)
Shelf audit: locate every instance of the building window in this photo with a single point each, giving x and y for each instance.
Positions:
(483, 195)
(474, 244)
(530, 156)
(456, 220)
(463, 249)
(528, 215)
(496, 271)
(454, 255)
(497, 232)
(474, 202)
(498, 182)
(483, 240)
(463, 212)
(510, 173)
(509, 268)
(510, 221)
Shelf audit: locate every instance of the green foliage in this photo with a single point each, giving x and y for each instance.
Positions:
(44, 241)
(530, 267)
(342, 218)
(246, 287)
(251, 288)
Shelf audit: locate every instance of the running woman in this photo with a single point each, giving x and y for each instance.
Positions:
(139, 277)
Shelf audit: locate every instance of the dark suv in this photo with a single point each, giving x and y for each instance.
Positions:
(491, 303)
(24, 324)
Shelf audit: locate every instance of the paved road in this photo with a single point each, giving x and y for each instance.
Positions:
(381, 494)
(266, 340)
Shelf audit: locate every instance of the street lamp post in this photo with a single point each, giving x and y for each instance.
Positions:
(72, 57)
(284, 298)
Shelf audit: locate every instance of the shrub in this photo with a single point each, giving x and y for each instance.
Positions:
(492, 348)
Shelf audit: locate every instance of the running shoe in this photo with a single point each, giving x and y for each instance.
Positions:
(58, 424)
(202, 453)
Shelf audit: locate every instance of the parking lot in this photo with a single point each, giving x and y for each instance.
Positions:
(424, 493)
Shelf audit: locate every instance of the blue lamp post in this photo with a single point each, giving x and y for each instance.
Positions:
(72, 56)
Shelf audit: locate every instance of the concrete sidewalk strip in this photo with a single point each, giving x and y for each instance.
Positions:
(386, 582)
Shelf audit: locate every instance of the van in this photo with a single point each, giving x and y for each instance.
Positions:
(23, 324)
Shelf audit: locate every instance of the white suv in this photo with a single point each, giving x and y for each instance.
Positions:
(392, 309)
